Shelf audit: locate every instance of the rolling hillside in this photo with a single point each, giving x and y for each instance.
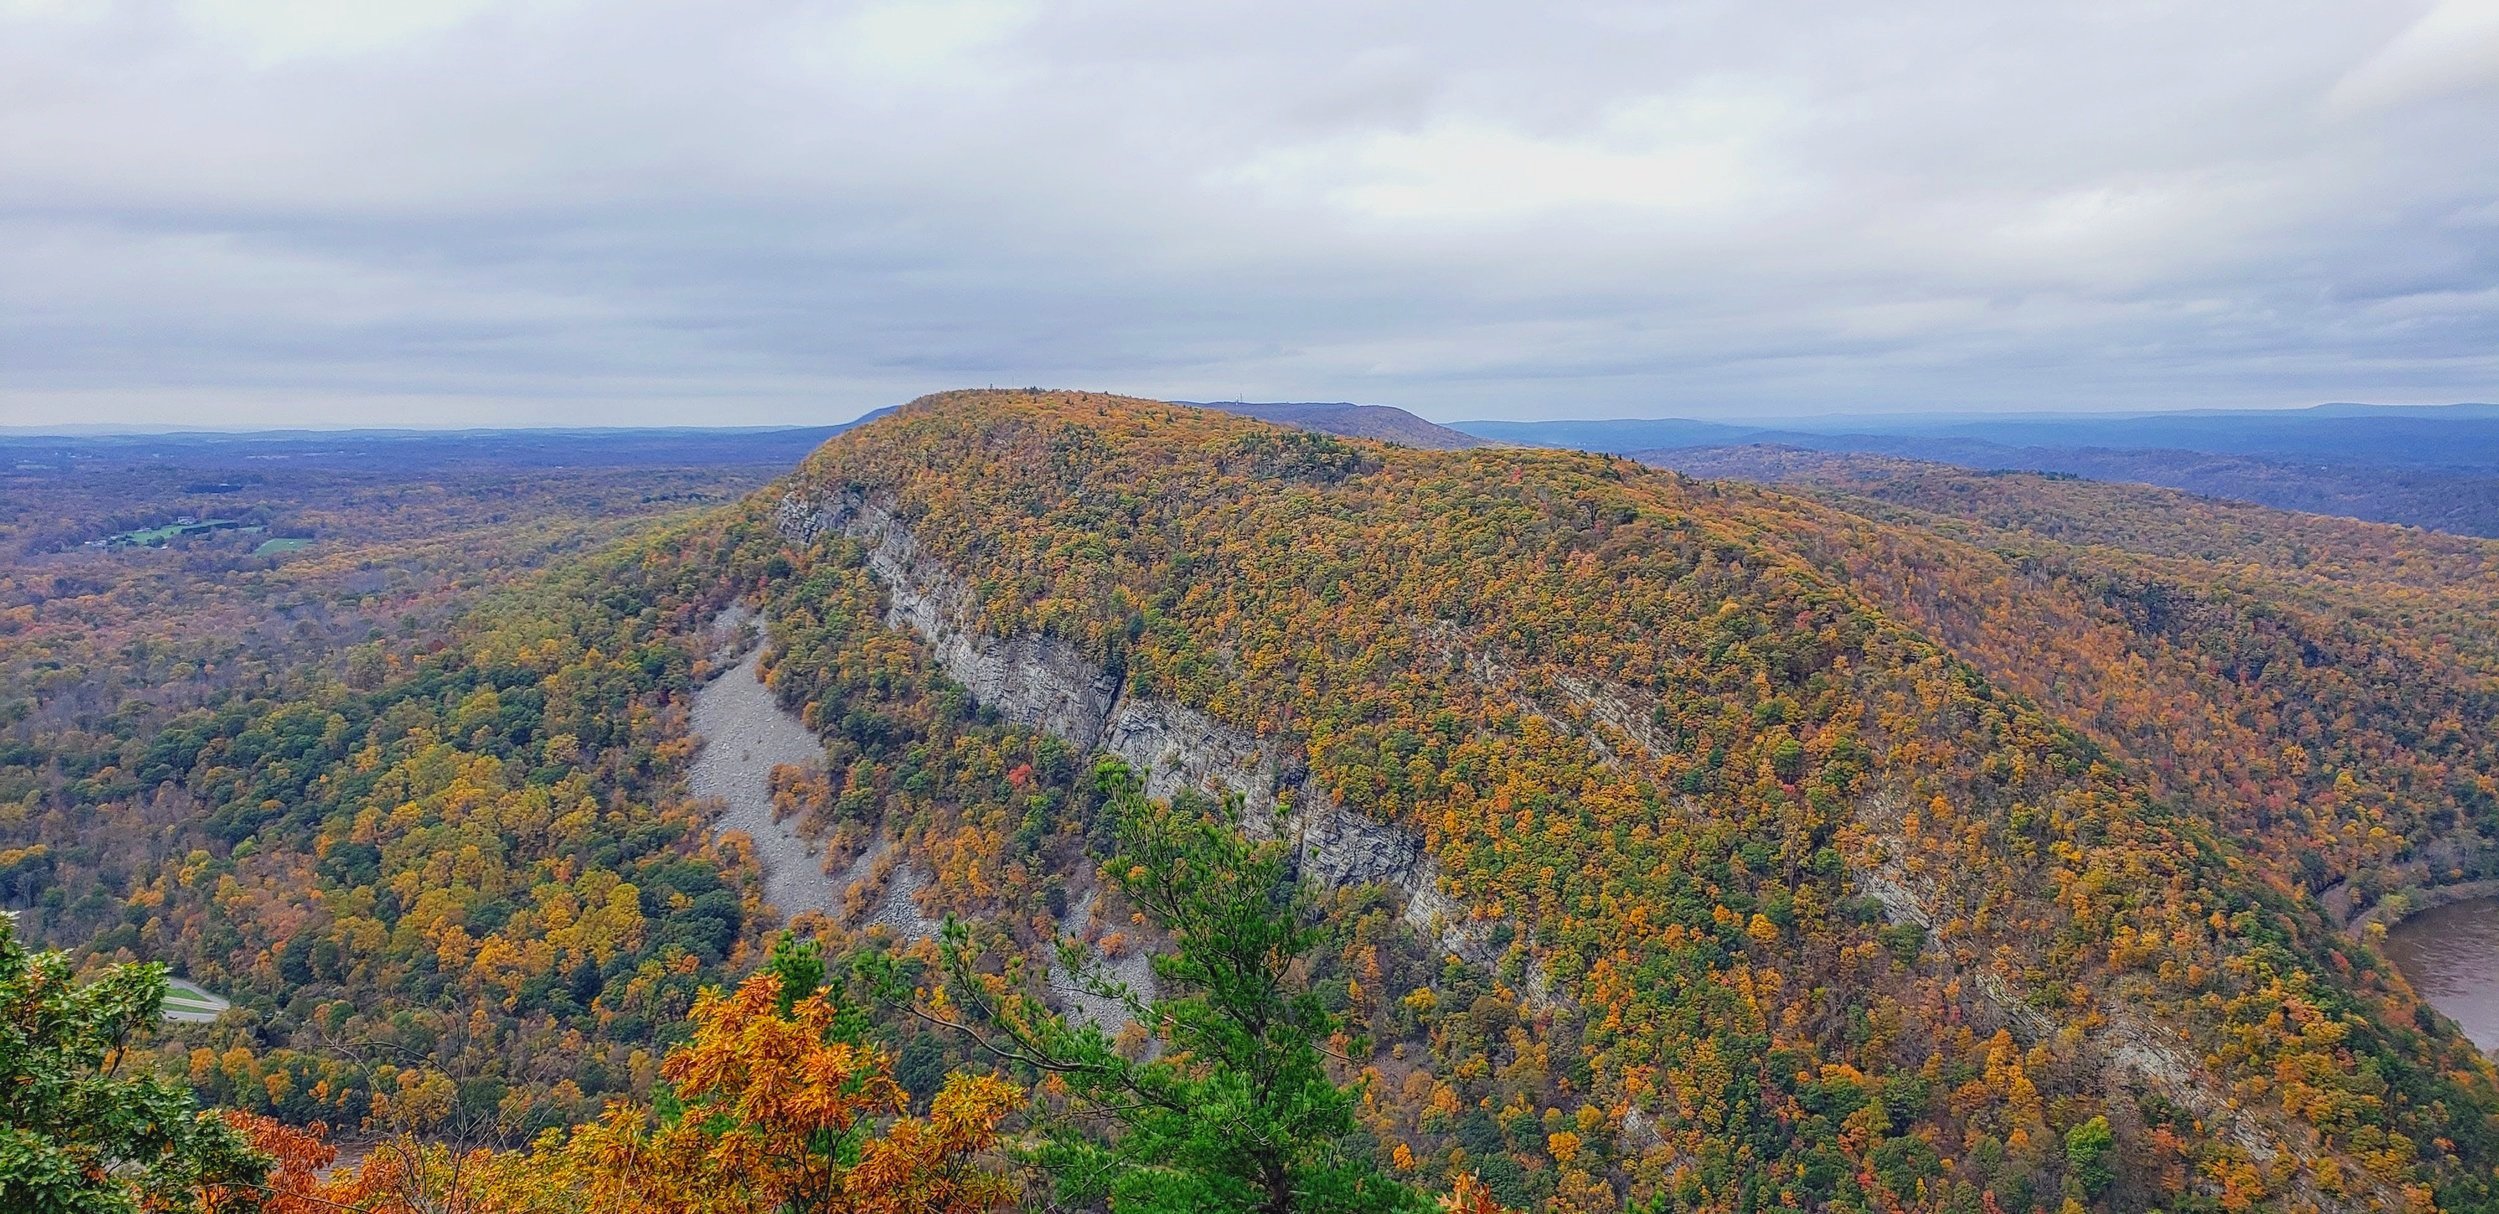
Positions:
(2316, 684)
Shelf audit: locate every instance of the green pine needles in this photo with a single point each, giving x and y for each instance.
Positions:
(1232, 1106)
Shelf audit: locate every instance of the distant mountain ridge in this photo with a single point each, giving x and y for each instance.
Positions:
(2458, 502)
(2435, 436)
(2433, 466)
(1386, 423)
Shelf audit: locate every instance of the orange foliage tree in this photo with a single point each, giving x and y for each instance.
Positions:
(772, 1111)
(777, 1110)
(1467, 1195)
(296, 1156)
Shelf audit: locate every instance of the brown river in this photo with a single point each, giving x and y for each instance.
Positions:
(2451, 954)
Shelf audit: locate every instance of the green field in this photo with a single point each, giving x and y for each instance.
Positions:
(148, 536)
(268, 547)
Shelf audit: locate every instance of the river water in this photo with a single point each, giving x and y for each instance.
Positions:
(2451, 954)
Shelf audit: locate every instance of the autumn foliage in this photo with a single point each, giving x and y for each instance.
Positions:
(1943, 843)
(1469, 1196)
(770, 1110)
(1773, 894)
(297, 1156)
(778, 1113)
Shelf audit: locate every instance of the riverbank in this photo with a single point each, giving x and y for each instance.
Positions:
(2450, 955)
(2403, 904)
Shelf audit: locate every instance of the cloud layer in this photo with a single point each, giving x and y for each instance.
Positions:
(558, 211)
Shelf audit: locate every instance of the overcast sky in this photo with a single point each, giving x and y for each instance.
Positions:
(277, 212)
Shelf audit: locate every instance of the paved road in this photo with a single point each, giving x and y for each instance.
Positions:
(189, 1003)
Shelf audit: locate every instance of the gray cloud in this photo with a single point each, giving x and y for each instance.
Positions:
(559, 211)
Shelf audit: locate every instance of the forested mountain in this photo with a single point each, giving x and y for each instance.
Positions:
(1685, 775)
(1928, 841)
(2324, 685)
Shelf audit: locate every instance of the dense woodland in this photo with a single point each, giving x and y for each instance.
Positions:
(179, 719)
(2321, 685)
(1937, 842)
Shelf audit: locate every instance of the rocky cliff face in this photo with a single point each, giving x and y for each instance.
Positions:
(1047, 683)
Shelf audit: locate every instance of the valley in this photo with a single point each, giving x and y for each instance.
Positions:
(1642, 608)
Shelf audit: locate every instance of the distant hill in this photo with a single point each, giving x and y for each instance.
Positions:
(2454, 437)
(2433, 466)
(1622, 435)
(2450, 412)
(2463, 502)
(1382, 422)
(402, 451)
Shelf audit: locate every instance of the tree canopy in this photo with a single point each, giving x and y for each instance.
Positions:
(82, 1130)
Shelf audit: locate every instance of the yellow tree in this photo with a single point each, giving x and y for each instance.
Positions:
(777, 1113)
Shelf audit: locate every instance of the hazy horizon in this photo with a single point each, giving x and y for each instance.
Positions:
(122, 429)
(240, 214)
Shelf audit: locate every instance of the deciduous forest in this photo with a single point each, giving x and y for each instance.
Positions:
(1512, 828)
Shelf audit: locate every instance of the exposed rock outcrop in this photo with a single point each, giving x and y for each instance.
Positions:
(1048, 683)
(746, 734)
(1084, 994)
